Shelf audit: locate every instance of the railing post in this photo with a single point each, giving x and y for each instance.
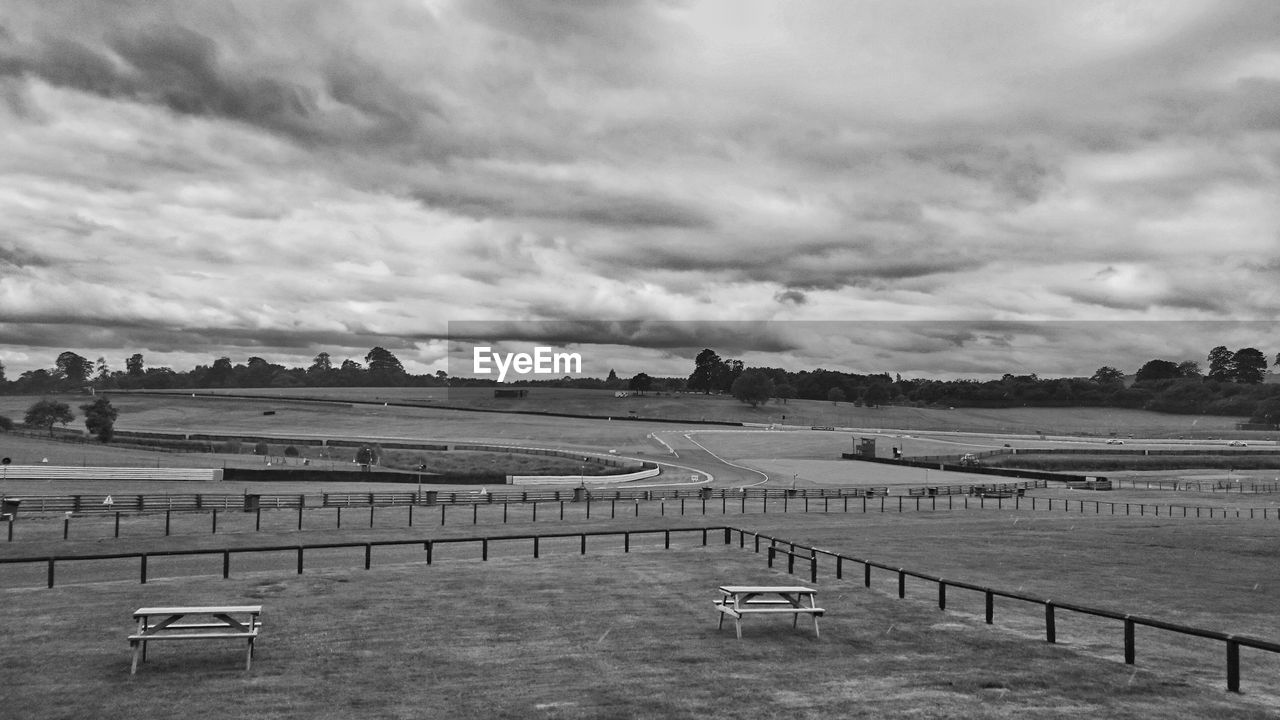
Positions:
(866, 574)
(770, 554)
(368, 555)
(299, 559)
(991, 607)
(142, 569)
(813, 567)
(1129, 653)
(117, 526)
(902, 583)
(535, 547)
(1233, 666)
(1050, 626)
(371, 507)
(226, 564)
(626, 542)
(428, 547)
(50, 572)
(484, 549)
(704, 536)
(942, 594)
(839, 567)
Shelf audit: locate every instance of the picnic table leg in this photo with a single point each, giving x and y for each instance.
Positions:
(815, 626)
(133, 669)
(737, 626)
(248, 656)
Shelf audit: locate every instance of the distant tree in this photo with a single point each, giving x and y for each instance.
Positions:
(729, 371)
(258, 373)
(44, 413)
(1107, 375)
(321, 365)
(1157, 370)
(876, 395)
(705, 367)
(1220, 364)
(134, 366)
(1249, 366)
(101, 370)
(221, 374)
(100, 418)
(612, 380)
(261, 448)
(6, 424)
(382, 361)
(836, 395)
(752, 387)
(3, 380)
(784, 391)
(73, 369)
(1267, 411)
(640, 383)
(1190, 369)
(291, 452)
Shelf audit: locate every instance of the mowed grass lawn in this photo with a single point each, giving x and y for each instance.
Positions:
(605, 635)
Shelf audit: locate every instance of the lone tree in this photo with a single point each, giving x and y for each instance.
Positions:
(100, 419)
(73, 369)
(44, 413)
(704, 371)
(752, 387)
(1250, 366)
(640, 384)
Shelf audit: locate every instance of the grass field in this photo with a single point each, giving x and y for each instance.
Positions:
(136, 409)
(633, 635)
(613, 635)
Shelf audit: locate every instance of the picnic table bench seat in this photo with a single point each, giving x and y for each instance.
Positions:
(231, 622)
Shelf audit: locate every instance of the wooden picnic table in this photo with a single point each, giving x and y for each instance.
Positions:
(212, 622)
(738, 600)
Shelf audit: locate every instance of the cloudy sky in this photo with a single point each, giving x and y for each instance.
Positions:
(932, 188)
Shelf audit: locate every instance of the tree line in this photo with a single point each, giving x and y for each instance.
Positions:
(1233, 385)
(72, 372)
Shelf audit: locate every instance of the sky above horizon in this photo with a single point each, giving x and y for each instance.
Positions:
(942, 189)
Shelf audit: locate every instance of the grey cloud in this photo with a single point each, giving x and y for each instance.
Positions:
(792, 296)
(734, 337)
(15, 255)
(568, 202)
